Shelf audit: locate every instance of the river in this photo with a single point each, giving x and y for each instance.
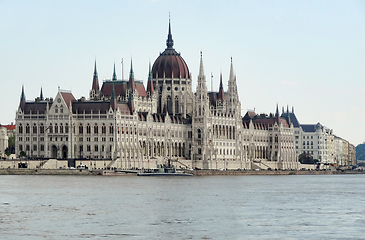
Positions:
(209, 207)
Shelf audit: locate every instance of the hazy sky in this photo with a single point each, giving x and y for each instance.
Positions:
(309, 55)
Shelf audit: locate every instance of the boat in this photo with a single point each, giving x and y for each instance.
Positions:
(163, 170)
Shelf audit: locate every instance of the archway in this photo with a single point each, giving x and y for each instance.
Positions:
(54, 151)
(64, 152)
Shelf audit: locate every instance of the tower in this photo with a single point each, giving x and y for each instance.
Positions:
(172, 80)
(95, 90)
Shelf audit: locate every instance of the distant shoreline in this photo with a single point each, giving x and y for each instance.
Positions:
(194, 172)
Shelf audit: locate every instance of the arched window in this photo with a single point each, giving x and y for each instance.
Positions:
(176, 104)
(81, 129)
(41, 128)
(61, 128)
(34, 128)
(88, 129)
(103, 128)
(50, 128)
(111, 129)
(96, 129)
(66, 128)
(20, 128)
(199, 133)
(27, 128)
(56, 128)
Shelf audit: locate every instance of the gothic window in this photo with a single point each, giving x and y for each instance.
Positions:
(20, 147)
(41, 128)
(56, 128)
(111, 129)
(176, 104)
(96, 129)
(103, 129)
(81, 148)
(34, 147)
(56, 109)
(42, 147)
(66, 128)
(88, 148)
(27, 128)
(50, 128)
(81, 129)
(199, 133)
(20, 128)
(96, 148)
(88, 129)
(61, 128)
(276, 138)
(34, 128)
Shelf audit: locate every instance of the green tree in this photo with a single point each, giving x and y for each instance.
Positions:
(306, 158)
(360, 151)
(22, 154)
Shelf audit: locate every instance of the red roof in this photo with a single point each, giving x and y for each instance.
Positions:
(68, 97)
(8, 127)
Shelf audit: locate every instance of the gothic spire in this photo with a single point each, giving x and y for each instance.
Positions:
(132, 84)
(149, 83)
(114, 74)
(231, 73)
(41, 95)
(169, 41)
(221, 91)
(201, 69)
(95, 79)
(277, 110)
(22, 97)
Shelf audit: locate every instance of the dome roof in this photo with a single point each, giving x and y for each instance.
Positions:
(170, 63)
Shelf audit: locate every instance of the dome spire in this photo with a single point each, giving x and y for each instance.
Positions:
(169, 41)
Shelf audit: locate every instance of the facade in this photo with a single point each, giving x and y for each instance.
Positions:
(126, 125)
(320, 142)
(3, 141)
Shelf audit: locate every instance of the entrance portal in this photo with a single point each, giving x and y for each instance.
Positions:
(64, 152)
(54, 151)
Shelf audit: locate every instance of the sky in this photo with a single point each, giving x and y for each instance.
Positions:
(309, 55)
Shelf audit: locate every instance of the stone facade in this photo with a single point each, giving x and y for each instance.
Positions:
(126, 125)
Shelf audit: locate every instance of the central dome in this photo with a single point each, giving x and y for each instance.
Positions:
(170, 64)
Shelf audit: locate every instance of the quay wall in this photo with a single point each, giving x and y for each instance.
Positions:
(45, 172)
(273, 172)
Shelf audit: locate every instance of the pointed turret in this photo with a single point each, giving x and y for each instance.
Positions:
(149, 83)
(114, 74)
(221, 91)
(95, 85)
(169, 41)
(41, 95)
(132, 84)
(22, 97)
(277, 110)
(231, 72)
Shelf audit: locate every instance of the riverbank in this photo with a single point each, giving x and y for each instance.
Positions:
(194, 172)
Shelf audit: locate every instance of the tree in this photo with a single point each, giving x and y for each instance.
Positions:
(360, 151)
(22, 154)
(306, 158)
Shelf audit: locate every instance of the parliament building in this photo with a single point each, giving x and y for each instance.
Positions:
(125, 124)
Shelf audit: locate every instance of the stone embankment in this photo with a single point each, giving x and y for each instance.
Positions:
(45, 172)
(194, 172)
(269, 172)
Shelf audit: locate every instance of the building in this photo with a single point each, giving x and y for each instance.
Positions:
(125, 124)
